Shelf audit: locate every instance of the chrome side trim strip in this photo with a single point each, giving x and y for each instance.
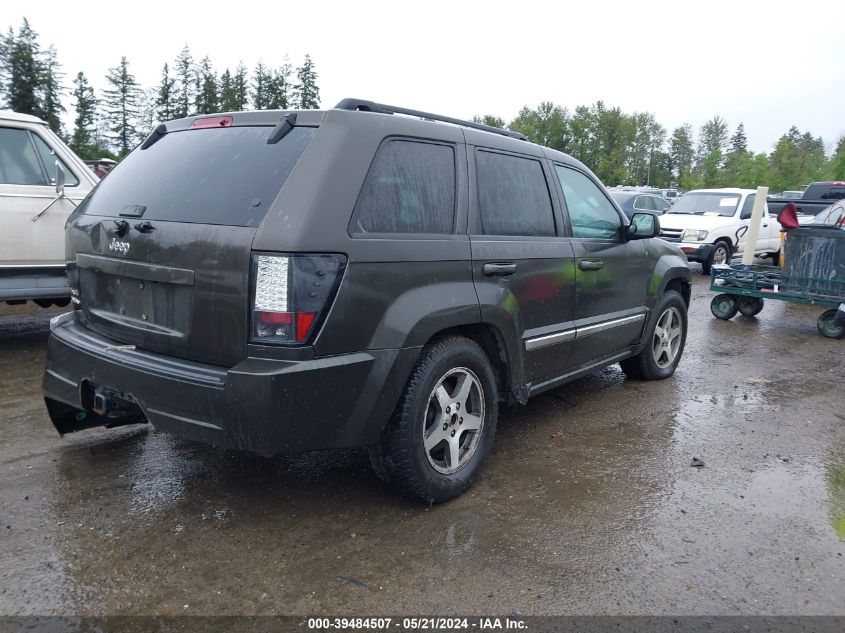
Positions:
(575, 333)
(608, 325)
(549, 339)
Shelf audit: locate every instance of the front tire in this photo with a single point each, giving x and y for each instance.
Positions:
(442, 429)
(721, 254)
(665, 343)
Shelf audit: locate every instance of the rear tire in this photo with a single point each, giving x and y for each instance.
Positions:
(721, 254)
(665, 342)
(828, 327)
(749, 306)
(442, 429)
(776, 258)
(724, 307)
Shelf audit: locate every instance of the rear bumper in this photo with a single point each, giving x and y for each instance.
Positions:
(259, 405)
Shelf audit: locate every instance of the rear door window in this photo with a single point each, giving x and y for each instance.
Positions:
(410, 188)
(590, 212)
(209, 176)
(19, 164)
(513, 196)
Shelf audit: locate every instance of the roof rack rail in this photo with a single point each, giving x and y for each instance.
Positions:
(380, 108)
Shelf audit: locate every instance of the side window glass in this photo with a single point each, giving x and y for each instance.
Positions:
(747, 207)
(660, 204)
(18, 163)
(590, 212)
(410, 188)
(642, 203)
(48, 157)
(513, 196)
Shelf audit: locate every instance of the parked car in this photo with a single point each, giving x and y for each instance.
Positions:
(355, 278)
(833, 216)
(101, 166)
(816, 197)
(632, 202)
(710, 226)
(36, 198)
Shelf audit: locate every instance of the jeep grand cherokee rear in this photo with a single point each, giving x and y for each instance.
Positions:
(285, 281)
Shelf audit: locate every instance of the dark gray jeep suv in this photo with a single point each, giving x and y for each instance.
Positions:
(361, 276)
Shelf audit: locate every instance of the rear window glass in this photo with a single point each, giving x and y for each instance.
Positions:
(410, 189)
(513, 197)
(209, 176)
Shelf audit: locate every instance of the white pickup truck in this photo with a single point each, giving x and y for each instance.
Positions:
(710, 226)
(41, 182)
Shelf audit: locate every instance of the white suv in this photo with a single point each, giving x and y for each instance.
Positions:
(41, 182)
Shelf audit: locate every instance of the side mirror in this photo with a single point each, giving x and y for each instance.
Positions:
(643, 226)
(60, 179)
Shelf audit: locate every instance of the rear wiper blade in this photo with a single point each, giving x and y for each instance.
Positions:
(282, 129)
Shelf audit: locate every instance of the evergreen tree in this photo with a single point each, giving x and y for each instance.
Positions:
(184, 97)
(240, 86)
(207, 99)
(306, 92)
(228, 101)
(280, 88)
(739, 142)
(837, 162)
(122, 103)
(24, 71)
(165, 100)
(84, 124)
(261, 87)
(682, 153)
(51, 92)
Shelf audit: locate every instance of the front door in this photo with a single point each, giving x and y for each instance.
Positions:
(27, 186)
(611, 284)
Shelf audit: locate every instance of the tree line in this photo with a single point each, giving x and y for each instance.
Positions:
(621, 148)
(635, 149)
(111, 123)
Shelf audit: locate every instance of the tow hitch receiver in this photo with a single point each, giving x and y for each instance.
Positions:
(101, 406)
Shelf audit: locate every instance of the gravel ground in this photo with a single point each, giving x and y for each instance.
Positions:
(588, 505)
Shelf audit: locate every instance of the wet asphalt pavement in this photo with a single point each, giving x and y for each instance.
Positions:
(588, 504)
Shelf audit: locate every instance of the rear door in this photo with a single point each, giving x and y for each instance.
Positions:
(523, 271)
(611, 279)
(161, 249)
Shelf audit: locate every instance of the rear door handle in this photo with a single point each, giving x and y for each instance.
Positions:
(591, 264)
(499, 270)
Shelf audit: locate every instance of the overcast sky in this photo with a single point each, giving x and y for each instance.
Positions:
(764, 64)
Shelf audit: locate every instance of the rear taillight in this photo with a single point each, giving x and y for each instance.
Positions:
(290, 294)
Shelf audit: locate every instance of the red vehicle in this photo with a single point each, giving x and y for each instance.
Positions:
(101, 166)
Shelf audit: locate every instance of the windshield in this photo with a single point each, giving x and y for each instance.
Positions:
(832, 215)
(209, 176)
(714, 203)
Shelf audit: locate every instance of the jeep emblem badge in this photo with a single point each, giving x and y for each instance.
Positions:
(119, 247)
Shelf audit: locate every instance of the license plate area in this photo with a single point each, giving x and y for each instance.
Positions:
(151, 306)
